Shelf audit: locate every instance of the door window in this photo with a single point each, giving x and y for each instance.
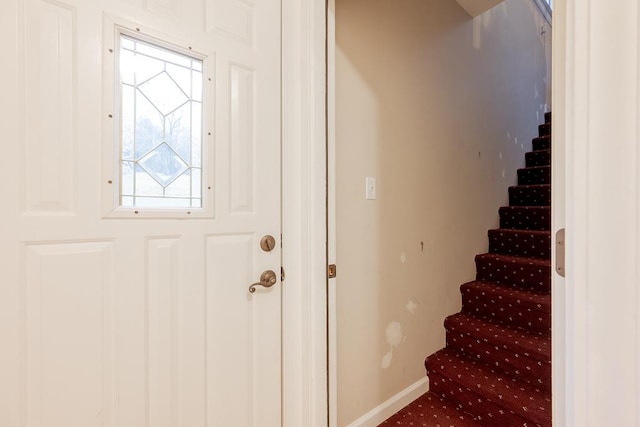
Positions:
(160, 126)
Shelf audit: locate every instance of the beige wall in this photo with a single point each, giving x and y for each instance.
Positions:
(440, 108)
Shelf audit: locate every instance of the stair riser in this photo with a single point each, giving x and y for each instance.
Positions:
(523, 314)
(490, 413)
(544, 129)
(520, 243)
(538, 158)
(518, 276)
(530, 196)
(547, 117)
(534, 176)
(542, 143)
(525, 218)
(529, 370)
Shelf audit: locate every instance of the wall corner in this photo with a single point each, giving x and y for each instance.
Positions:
(478, 7)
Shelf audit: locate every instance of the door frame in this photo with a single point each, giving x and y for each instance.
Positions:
(596, 197)
(560, 74)
(599, 293)
(304, 213)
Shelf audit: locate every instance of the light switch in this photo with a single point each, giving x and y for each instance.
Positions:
(370, 188)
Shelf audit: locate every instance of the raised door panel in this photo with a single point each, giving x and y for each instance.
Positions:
(231, 18)
(49, 88)
(68, 335)
(242, 108)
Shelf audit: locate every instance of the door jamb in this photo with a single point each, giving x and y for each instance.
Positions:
(304, 207)
(561, 71)
(561, 340)
(332, 322)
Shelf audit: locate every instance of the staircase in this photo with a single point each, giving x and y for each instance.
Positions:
(496, 367)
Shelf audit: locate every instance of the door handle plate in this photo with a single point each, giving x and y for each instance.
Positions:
(267, 279)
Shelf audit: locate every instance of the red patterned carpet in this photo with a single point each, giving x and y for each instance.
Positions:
(430, 410)
(496, 368)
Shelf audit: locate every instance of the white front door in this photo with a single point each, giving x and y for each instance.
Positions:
(123, 312)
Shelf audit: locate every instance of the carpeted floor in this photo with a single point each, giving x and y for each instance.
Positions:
(495, 370)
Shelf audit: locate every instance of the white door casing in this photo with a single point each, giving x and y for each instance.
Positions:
(134, 322)
(597, 98)
(305, 237)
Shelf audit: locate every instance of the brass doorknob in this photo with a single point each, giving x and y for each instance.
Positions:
(267, 280)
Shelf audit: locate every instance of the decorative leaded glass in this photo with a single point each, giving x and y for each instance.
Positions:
(161, 126)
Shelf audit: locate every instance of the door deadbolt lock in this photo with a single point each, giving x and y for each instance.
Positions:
(268, 243)
(267, 280)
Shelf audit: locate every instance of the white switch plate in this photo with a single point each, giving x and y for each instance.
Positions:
(370, 188)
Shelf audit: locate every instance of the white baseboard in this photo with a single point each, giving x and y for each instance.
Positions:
(386, 409)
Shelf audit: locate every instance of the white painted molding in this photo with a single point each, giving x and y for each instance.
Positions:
(602, 302)
(385, 410)
(478, 7)
(331, 214)
(304, 214)
(545, 9)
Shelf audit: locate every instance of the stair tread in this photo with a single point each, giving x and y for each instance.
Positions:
(544, 129)
(510, 231)
(512, 259)
(515, 340)
(541, 186)
(523, 309)
(538, 158)
(545, 151)
(541, 143)
(511, 351)
(541, 302)
(530, 195)
(431, 410)
(536, 168)
(531, 274)
(510, 393)
(534, 175)
(533, 208)
(525, 217)
(534, 243)
(540, 171)
(543, 137)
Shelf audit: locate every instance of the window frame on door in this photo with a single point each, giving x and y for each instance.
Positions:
(114, 30)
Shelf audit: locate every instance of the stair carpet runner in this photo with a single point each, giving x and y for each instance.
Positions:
(496, 367)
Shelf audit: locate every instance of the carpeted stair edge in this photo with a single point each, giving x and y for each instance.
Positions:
(528, 274)
(525, 217)
(525, 243)
(513, 307)
(512, 352)
(493, 399)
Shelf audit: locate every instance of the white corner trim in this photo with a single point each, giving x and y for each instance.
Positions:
(545, 10)
(385, 410)
(478, 7)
